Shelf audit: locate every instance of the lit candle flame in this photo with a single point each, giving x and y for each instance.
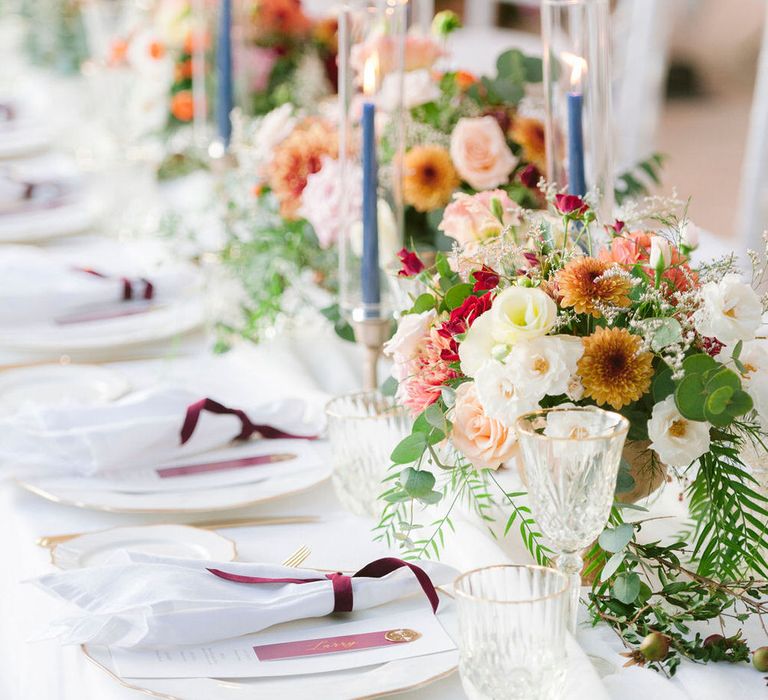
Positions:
(578, 68)
(371, 74)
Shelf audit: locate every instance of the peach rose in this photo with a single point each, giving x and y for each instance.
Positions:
(480, 152)
(470, 218)
(420, 52)
(487, 443)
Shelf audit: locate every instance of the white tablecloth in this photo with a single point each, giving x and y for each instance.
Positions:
(313, 365)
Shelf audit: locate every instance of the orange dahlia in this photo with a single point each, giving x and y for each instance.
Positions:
(429, 178)
(529, 133)
(281, 17)
(296, 158)
(584, 285)
(613, 370)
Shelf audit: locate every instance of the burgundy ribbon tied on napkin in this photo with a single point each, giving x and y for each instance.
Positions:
(148, 291)
(248, 428)
(342, 583)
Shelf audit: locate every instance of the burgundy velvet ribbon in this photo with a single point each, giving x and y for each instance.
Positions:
(248, 428)
(342, 583)
(148, 292)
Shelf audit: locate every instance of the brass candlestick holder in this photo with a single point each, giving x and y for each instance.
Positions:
(371, 334)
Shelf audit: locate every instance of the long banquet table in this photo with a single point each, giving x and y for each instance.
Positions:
(313, 364)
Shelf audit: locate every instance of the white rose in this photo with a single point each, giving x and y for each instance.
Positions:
(522, 313)
(758, 390)
(499, 396)
(403, 345)
(544, 366)
(731, 310)
(418, 89)
(661, 253)
(477, 348)
(689, 235)
(675, 439)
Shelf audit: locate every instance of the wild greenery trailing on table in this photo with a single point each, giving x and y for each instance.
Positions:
(554, 308)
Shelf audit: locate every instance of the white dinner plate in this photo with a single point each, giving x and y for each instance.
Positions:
(95, 548)
(188, 501)
(56, 384)
(69, 217)
(157, 323)
(353, 684)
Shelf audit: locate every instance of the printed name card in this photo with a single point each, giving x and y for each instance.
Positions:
(333, 645)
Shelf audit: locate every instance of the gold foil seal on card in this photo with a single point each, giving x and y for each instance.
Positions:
(402, 635)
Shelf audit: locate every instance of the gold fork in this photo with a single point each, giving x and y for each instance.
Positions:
(296, 559)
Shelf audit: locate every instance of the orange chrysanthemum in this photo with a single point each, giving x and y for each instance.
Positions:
(429, 178)
(529, 133)
(612, 368)
(584, 285)
(296, 158)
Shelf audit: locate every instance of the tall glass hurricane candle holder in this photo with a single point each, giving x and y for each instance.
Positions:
(363, 430)
(577, 83)
(512, 631)
(571, 459)
(371, 58)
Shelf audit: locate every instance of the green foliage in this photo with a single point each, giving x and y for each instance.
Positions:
(638, 181)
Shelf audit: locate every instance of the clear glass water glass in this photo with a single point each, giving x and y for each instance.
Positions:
(363, 429)
(512, 632)
(571, 460)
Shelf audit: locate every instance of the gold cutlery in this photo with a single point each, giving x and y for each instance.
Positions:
(296, 559)
(51, 541)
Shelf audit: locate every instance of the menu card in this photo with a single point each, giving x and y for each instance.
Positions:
(337, 642)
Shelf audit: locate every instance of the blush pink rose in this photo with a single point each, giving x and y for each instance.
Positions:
(480, 153)
(256, 64)
(420, 52)
(470, 218)
(487, 443)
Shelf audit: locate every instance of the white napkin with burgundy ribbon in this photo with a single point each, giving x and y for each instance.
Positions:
(147, 428)
(39, 287)
(151, 601)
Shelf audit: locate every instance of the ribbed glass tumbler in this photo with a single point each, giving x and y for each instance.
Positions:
(363, 429)
(571, 459)
(512, 632)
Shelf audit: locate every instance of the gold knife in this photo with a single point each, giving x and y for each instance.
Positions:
(52, 540)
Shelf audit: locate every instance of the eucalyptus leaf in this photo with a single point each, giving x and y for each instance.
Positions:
(690, 397)
(663, 385)
(718, 400)
(431, 498)
(417, 482)
(626, 587)
(423, 302)
(615, 539)
(699, 363)
(389, 387)
(456, 295)
(668, 332)
(410, 449)
(611, 566)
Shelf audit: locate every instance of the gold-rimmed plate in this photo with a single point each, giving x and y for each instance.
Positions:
(189, 501)
(365, 683)
(96, 548)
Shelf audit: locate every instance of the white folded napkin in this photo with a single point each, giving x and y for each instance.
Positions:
(39, 287)
(154, 601)
(141, 430)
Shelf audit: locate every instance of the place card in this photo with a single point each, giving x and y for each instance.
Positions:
(239, 463)
(281, 650)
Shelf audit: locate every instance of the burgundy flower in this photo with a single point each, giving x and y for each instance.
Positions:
(616, 227)
(462, 317)
(412, 265)
(712, 346)
(570, 204)
(530, 176)
(485, 279)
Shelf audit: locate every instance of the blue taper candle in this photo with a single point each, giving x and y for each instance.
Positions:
(576, 179)
(225, 90)
(370, 281)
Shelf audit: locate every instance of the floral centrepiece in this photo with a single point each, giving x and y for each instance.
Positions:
(541, 309)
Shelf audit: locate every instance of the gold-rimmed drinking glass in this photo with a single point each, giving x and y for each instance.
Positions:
(512, 632)
(571, 459)
(363, 429)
